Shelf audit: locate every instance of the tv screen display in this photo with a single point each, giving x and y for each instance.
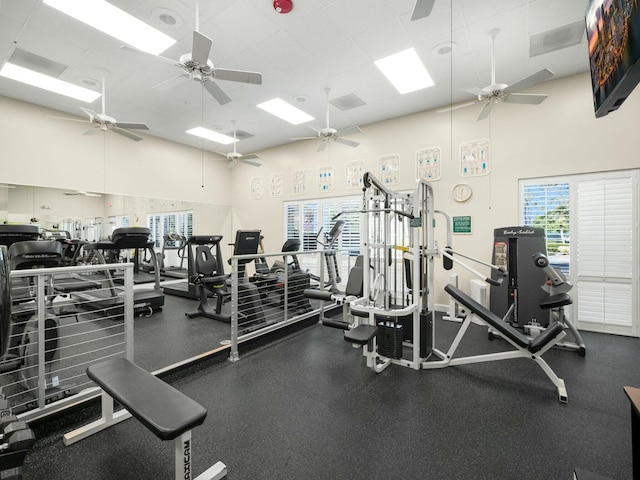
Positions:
(613, 37)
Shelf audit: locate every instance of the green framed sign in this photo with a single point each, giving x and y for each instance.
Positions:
(462, 224)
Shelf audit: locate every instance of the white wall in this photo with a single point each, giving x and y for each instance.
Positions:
(560, 136)
(36, 149)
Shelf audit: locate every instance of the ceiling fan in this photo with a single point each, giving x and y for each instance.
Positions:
(82, 192)
(197, 66)
(102, 121)
(500, 92)
(327, 133)
(235, 157)
(422, 9)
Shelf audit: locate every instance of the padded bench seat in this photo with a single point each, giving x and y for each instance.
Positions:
(167, 412)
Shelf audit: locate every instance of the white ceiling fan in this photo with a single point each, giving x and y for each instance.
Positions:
(422, 9)
(327, 133)
(500, 92)
(82, 192)
(103, 122)
(197, 66)
(235, 157)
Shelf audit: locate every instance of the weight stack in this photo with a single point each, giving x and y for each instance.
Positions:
(389, 339)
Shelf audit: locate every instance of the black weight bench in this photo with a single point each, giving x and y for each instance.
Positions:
(532, 349)
(167, 412)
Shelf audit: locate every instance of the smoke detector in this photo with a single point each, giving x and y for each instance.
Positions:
(282, 6)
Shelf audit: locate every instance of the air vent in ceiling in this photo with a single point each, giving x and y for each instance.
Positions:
(347, 102)
(557, 38)
(36, 63)
(240, 134)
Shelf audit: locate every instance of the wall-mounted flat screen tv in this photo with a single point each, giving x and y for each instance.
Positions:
(613, 36)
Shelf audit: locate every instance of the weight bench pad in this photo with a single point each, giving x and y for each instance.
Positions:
(488, 316)
(361, 335)
(167, 412)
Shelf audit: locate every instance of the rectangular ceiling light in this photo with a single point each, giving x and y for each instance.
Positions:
(46, 82)
(285, 111)
(211, 135)
(115, 22)
(405, 71)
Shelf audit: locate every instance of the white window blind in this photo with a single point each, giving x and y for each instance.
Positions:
(597, 217)
(605, 250)
(162, 224)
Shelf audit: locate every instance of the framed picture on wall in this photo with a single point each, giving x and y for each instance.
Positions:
(428, 164)
(299, 182)
(325, 178)
(389, 169)
(256, 188)
(475, 158)
(353, 172)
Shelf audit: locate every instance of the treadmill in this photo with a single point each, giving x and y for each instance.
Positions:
(111, 298)
(186, 288)
(174, 241)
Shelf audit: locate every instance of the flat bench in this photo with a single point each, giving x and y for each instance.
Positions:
(167, 412)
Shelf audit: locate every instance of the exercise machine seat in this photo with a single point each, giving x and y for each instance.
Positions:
(207, 267)
(167, 412)
(556, 301)
(361, 335)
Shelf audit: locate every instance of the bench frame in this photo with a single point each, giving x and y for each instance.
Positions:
(183, 445)
(447, 360)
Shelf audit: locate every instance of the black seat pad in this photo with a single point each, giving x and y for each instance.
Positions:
(167, 412)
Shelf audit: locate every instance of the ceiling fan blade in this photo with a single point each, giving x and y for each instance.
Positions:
(478, 92)
(484, 113)
(303, 138)
(525, 98)
(348, 131)
(250, 156)
(170, 82)
(450, 108)
(129, 48)
(127, 134)
(242, 76)
(222, 155)
(200, 48)
(216, 92)
(90, 113)
(323, 144)
(346, 141)
(541, 76)
(69, 119)
(134, 126)
(422, 9)
(250, 162)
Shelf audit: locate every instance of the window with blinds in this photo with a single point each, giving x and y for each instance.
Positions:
(303, 220)
(162, 224)
(596, 215)
(546, 205)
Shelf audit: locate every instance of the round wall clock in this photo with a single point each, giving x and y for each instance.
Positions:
(462, 192)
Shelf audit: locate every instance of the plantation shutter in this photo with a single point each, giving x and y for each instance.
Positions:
(606, 251)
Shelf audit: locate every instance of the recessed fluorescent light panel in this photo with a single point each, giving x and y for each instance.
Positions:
(405, 71)
(285, 111)
(115, 22)
(211, 135)
(46, 82)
